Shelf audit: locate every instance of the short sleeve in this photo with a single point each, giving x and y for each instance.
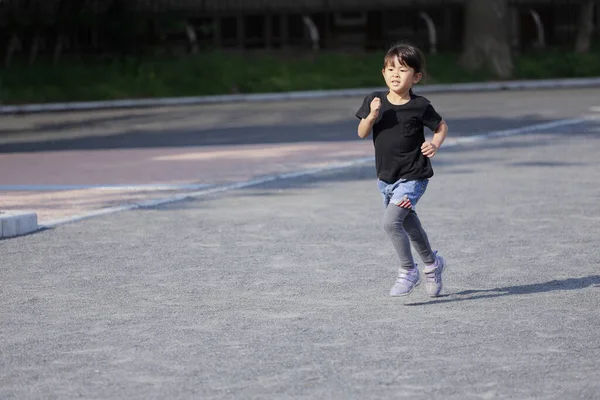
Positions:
(364, 110)
(431, 118)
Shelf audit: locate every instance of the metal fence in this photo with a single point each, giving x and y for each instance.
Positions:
(30, 29)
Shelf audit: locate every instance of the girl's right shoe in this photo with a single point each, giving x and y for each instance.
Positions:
(433, 276)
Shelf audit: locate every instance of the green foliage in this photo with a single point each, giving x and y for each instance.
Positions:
(558, 63)
(248, 72)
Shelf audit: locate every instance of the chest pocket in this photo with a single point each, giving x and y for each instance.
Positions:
(412, 126)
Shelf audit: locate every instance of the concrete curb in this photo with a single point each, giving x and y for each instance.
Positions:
(17, 223)
(313, 94)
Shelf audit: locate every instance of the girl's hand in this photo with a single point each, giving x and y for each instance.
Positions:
(375, 106)
(429, 149)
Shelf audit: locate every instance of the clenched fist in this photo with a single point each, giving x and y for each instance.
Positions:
(375, 106)
(429, 149)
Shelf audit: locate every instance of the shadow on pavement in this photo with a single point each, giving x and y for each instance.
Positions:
(131, 137)
(555, 285)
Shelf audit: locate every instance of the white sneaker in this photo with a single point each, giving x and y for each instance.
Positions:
(433, 276)
(405, 283)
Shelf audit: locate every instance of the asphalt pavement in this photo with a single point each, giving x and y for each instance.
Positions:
(280, 290)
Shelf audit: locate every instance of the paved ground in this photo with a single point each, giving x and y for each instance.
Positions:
(280, 290)
(61, 165)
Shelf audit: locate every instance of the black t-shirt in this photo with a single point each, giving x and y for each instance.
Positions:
(398, 135)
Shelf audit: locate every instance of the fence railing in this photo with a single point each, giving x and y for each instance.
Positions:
(30, 29)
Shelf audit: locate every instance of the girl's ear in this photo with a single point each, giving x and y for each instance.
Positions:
(383, 72)
(417, 77)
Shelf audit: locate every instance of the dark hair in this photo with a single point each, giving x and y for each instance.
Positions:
(408, 55)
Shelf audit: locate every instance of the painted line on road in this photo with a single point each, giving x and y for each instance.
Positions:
(297, 174)
(219, 189)
(146, 187)
(518, 131)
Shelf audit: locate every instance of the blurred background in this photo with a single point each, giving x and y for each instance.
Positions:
(68, 50)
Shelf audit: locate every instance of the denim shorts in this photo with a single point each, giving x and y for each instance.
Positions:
(394, 192)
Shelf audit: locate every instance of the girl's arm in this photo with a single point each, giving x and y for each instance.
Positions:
(365, 126)
(430, 148)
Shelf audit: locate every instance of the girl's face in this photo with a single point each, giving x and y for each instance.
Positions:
(400, 77)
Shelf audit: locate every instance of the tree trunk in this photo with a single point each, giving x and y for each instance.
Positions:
(585, 26)
(486, 43)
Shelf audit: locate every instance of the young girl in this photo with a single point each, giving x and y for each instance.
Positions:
(402, 154)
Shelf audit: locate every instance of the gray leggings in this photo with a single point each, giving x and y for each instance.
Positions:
(403, 227)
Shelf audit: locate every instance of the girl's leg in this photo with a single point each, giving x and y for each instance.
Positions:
(434, 264)
(393, 223)
(418, 237)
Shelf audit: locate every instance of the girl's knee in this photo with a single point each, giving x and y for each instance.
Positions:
(393, 219)
(390, 225)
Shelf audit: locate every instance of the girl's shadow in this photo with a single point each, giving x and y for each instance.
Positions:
(564, 284)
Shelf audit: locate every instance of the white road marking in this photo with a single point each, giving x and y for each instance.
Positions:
(517, 131)
(218, 189)
(147, 187)
(291, 175)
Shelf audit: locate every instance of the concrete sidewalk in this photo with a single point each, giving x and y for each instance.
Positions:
(569, 83)
(280, 291)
